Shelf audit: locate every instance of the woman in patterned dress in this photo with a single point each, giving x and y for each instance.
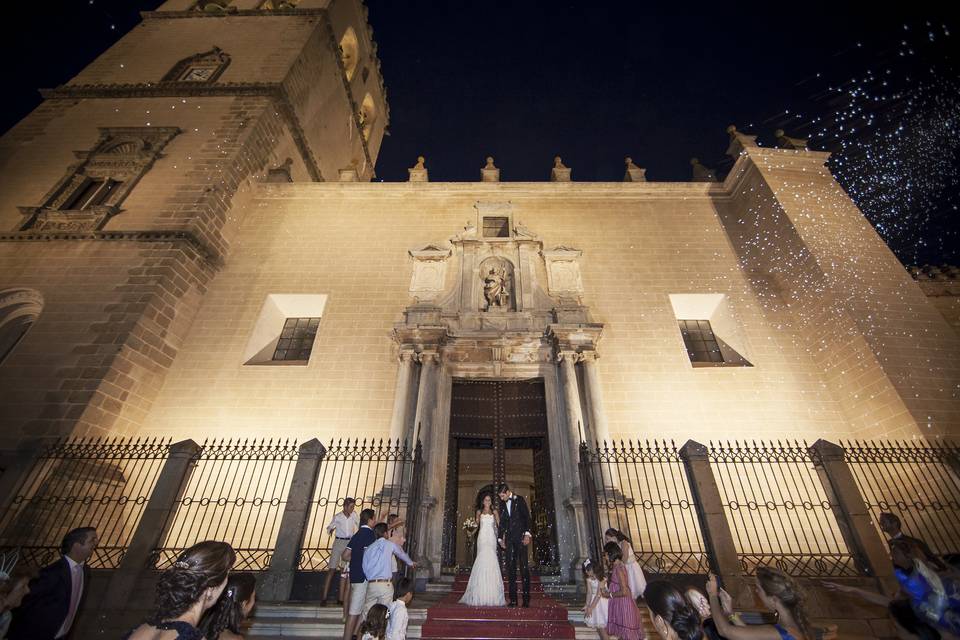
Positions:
(623, 616)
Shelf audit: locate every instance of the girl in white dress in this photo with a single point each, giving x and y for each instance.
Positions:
(638, 582)
(485, 588)
(595, 613)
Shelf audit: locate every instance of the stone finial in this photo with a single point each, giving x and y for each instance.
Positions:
(634, 173)
(490, 173)
(739, 141)
(418, 172)
(786, 142)
(701, 173)
(560, 171)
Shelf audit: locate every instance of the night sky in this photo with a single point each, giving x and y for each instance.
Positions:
(594, 82)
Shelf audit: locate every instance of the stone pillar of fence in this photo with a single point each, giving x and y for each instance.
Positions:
(16, 465)
(717, 535)
(277, 583)
(152, 527)
(853, 516)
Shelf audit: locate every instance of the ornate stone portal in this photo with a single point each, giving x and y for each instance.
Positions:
(492, 303)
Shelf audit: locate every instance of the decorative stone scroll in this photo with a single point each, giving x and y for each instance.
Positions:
(563, 272)
(429, 272)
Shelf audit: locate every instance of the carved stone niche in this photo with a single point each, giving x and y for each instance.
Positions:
(429, 272)
(563, 273)
(497, 280)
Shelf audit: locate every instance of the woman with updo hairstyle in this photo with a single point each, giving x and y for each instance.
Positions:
(778, 592)
(673, 616)
(186, 591)
(623, 616)
(224, 621)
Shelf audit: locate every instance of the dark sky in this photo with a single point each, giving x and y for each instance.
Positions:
(595, 81)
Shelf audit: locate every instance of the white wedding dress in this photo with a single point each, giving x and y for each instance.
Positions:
(485, 588)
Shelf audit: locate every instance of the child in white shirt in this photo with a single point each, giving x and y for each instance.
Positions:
(397, 616)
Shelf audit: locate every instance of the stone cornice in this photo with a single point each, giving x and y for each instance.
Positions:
(184, 237)
(486, 190)
(245, 13)
(274, 91)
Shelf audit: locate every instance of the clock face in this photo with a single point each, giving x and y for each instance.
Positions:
(198, 74)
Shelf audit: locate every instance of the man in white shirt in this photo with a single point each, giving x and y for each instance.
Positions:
(398, 617)
(342, 527)
(50, 609)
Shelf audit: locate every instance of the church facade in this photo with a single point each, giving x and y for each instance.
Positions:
(192, 246)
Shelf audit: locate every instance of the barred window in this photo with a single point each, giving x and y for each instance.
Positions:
(296, 339)
(92, 193)
(700, 341)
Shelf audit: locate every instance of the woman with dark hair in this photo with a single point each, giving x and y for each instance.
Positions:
(375, 626)
(14, 585)
(638, 582)
(485, 587)
(186, 591)
(673, 616)
(623, 616)
(223, 622)
(777, 591)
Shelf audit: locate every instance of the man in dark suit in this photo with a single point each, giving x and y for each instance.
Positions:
(49, 610)
(514, 538)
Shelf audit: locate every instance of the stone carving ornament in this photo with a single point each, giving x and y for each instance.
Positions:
(496, 288)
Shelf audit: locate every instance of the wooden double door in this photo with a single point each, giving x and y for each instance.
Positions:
(498, 433)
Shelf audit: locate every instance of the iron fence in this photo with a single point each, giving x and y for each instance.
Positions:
(98, 483)
(778, 510)
(917, 481)
(236, 492)
(642, 489)
(383, 475)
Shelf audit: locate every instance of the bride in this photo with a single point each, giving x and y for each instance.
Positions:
(485, 588)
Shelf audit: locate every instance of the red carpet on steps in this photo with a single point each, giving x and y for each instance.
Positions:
(449, 620)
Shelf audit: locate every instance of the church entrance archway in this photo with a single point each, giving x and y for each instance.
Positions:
(499, 433)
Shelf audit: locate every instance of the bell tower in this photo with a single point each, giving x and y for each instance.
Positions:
(145, 161)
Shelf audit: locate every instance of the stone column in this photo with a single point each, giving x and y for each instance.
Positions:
(717, 536)
(864, 543)
(278, 581)
(426, 398)
(401, 395)
(598, 417)
(571, 398)
(152, 527)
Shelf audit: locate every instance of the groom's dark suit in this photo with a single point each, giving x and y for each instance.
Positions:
(514, 523)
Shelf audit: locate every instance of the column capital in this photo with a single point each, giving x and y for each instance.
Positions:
(429, 357)
(569, 355)
(407, 356)
(590, 356)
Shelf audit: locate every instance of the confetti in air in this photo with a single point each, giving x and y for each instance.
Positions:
(892, 127)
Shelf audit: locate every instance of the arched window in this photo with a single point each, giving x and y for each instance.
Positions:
(350, 52)
(19, 309)
(368, 115)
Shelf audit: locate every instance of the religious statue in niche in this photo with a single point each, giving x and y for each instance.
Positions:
(496, 288)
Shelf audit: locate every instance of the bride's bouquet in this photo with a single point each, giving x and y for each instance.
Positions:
(470, 525)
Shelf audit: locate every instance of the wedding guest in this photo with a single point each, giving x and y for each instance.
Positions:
(898, 606)
(187, 590)
(673, 616)
(890, 525)
(397, 616)
(375, 625)
(638, 581)
(598, 600)
(377, 569)
(778, 592)
(224, 621)
(344, 524)
(701, 605)
(14, 585)
(358, 544)
(935, 599)
(56, 594)
(623, 616)
(396, 535)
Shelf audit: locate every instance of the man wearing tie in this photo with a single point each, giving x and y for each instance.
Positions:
(514, 539)
(49, 610)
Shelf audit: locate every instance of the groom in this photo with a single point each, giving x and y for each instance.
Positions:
(514, 538)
